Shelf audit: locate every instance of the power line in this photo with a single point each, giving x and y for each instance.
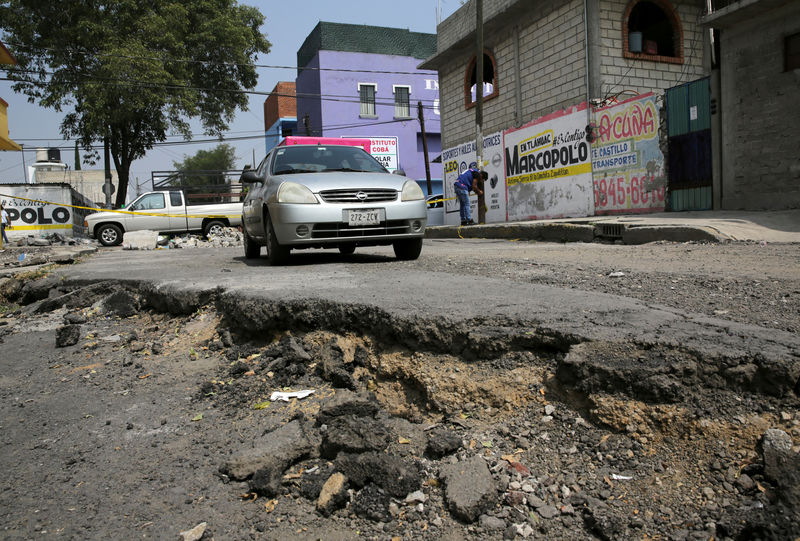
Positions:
(343, 98)
(68, 144)
(213, 63)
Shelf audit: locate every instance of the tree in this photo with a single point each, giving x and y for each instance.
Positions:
(134, 71)
(203, 173)
(221, 158)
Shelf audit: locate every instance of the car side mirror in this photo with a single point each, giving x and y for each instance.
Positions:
(250, 177)
(399, 172)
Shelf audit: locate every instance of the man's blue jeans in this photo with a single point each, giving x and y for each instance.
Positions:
(464, 207)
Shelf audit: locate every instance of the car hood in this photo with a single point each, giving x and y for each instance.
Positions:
(335, 180)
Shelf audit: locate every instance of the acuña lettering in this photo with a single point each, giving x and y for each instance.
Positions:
(517, 164)
(637, 121)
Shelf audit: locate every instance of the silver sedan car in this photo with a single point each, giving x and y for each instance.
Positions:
(329, 196)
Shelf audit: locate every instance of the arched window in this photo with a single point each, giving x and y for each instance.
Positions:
(651, 30)
(490, 89)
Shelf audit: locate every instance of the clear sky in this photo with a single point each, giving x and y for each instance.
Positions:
(287, 25)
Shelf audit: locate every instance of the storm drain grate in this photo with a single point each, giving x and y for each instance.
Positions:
(611, 231)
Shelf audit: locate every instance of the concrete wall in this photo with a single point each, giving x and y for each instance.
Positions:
(550, 71)
(760, 113)
(340, 115)
(40, 209)
(87, 182)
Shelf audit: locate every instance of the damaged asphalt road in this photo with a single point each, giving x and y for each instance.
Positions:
(135, 403)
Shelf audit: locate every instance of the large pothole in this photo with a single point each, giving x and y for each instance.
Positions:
(512, 429)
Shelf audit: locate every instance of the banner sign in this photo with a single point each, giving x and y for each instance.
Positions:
(456, 160)
(384, 149)
(627, 162)
(548, 168)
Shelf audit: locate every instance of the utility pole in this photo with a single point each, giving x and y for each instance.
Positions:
(479, 107)
(24, 167)
(424, 147)
(108, 188)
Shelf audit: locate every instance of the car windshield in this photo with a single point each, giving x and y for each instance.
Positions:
(320, 159)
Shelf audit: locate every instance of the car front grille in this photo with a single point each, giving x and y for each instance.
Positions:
(373, 195)
(337, 230)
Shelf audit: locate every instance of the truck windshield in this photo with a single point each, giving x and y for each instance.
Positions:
(320, 159)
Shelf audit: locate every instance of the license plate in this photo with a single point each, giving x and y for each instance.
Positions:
(363, 217)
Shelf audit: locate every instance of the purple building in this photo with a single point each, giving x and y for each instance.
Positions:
(363, 81)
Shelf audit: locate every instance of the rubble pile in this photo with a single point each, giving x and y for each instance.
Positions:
(230, 236)
(51, 239)
(52, 248)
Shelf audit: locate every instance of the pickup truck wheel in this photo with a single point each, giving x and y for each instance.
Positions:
(347, 249)
(277, 254)
(251, 249)
(109, 235)
(214, 227)
(407, 249)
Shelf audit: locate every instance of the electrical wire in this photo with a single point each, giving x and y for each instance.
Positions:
(342, 98)
(213, 63)
(69, 144)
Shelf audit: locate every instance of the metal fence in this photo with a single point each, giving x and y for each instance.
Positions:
(201, 187)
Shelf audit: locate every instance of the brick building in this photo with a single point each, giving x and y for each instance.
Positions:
(756, 88)
(539, 57)
(280, 113)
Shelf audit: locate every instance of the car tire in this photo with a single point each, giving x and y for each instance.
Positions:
(252, 250)
(214, 227)
(109, 234)
(276, 254)
(407, 250)
(347, 249)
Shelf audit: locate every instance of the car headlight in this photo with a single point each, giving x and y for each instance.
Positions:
(292, 192)
(411, 192)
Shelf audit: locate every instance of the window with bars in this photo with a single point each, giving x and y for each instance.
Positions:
(402, 101)
(366, 92)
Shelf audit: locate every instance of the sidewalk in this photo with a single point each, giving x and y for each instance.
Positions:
(708, 226)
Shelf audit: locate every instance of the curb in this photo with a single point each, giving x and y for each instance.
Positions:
(583, 232)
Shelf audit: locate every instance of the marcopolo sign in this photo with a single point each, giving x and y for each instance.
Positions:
(547, 167)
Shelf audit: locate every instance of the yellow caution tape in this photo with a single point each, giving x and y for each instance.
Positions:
(442, 200)
(118, 211)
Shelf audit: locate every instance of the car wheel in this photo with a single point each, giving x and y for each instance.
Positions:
(407, 249)
(252, 250)
(347, 249)
(214, 227)
(109, 235)
(277, 254)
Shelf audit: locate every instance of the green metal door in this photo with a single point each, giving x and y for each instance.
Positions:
(689, 146)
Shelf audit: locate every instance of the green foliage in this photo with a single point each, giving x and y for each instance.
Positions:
(134, 71)
(201, 174)
(221, 158)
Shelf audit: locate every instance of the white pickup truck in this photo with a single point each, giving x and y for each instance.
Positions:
(165, 212)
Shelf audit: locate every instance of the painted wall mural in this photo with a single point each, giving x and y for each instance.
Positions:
(627, 162)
